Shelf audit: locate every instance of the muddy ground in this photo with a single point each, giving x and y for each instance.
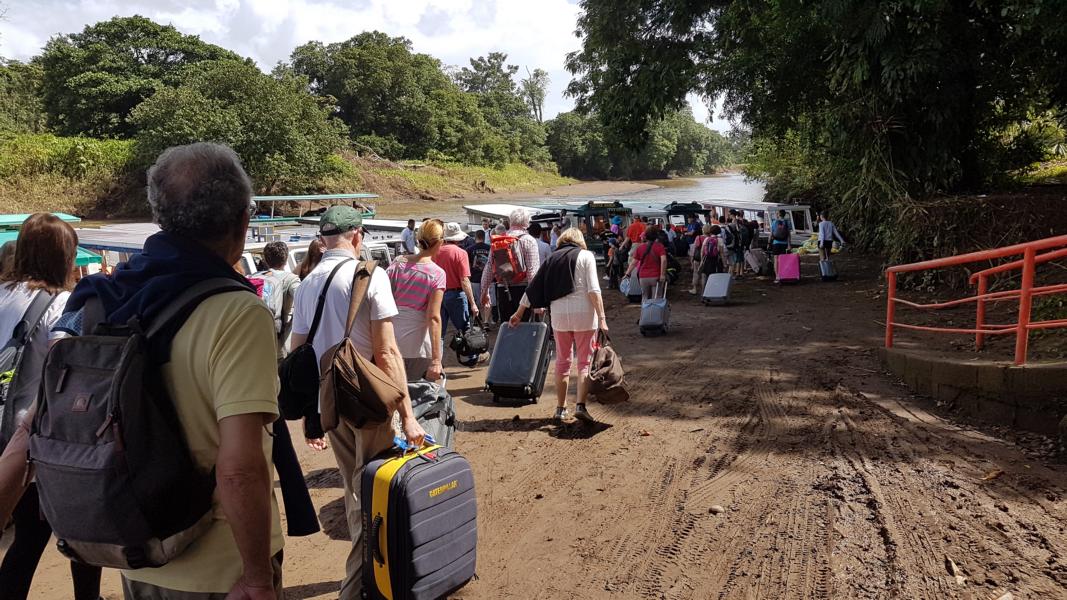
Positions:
(834, 481)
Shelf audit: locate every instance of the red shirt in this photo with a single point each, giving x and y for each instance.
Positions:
(454, 261)
(649, 267)
(636, 232)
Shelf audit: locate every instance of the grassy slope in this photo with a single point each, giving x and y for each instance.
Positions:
(91, 178)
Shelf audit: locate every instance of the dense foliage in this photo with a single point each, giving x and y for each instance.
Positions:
(93, 79)
(583, 147)
(284, 136)
(868, 104)
(20, 106)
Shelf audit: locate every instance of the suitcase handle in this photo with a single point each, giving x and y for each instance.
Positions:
(375, 541)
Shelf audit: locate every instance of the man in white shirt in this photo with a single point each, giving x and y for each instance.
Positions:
(407, 237)
(372, 334)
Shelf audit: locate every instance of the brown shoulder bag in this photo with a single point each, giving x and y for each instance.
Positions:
(351, 386)
(606, 375)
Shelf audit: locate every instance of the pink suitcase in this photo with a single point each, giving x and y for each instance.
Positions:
(787, 268)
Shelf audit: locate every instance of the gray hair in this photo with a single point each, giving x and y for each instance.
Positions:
(519, 218)
(199, 191)
(500, 229)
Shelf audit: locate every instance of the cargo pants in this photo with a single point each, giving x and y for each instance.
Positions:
(354, 448)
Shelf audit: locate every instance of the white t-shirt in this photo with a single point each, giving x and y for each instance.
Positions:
(378, 305)
(13, 305)
(575, 312)
(408, 238)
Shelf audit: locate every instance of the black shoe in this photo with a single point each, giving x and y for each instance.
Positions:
(582, 414)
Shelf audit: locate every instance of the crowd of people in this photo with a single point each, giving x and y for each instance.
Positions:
(218, 353)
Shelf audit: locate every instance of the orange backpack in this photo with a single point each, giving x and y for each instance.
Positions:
(509, 264)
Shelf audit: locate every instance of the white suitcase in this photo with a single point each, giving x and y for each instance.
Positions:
(717, 289)
(757, 261)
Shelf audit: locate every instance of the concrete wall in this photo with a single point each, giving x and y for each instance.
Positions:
(1031, 397)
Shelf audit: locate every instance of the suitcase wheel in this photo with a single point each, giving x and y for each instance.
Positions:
(528, 390)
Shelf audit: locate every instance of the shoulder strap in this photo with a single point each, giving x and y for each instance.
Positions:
(190, 298)
(31, 319)
(360, 283)
(321, 304)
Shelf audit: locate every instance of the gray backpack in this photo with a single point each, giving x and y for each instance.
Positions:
(17, 387)
(115, 476)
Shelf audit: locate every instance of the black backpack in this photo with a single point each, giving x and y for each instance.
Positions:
(117, 482)
(299, 371)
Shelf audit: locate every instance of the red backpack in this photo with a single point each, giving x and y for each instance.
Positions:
(509, 264)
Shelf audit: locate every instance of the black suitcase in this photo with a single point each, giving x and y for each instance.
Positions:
(519, 364)
(420, 528)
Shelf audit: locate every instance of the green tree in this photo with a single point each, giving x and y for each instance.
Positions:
(20, 106)
(534, 88)
(886, 100)
(284, 135)
(93, 79)
(492, 81)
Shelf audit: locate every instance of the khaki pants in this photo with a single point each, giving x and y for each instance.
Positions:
(354, 448)
(135, 590)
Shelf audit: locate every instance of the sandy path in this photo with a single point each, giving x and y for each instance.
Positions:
(836, 483)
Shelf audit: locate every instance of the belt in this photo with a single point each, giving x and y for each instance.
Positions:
(454, 289)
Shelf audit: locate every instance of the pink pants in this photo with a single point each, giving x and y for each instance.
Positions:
(583, 340)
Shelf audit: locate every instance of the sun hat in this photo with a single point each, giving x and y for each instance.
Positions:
(453, 232)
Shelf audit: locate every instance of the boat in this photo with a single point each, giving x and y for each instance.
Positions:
(798, 215)
(309, 216)
(497, 213)
(15, 221)
(116, 243)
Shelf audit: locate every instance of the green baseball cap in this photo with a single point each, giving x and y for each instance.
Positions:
(339, 219)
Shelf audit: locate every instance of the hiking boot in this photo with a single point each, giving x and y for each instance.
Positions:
(582, 414)
(561, 413)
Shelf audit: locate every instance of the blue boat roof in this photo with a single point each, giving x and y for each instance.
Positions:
(14, 221)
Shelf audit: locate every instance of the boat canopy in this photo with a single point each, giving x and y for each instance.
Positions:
(83, 258)
(15, 221)
(368, 211)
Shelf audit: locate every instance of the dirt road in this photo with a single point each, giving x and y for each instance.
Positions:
(833, 481)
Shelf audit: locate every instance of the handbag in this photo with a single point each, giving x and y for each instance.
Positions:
(606, 374)
(298, 373)
(471, 342)
(353, 387)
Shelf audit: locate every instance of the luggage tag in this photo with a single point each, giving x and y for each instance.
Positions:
(405, 447)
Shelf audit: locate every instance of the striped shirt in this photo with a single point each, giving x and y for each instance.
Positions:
(413, 283)
(530, 254)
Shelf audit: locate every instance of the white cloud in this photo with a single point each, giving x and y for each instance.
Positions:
(533, 34)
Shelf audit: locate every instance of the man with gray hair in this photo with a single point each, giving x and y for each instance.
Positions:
(525, 261)
(212, 364)
(372, 335)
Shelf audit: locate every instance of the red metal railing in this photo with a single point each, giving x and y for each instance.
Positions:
(1033, 254)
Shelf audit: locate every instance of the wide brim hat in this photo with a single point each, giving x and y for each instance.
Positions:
(454, 233)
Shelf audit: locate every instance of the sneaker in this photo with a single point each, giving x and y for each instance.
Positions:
(483, 358)
(582, 414)
(561, 413)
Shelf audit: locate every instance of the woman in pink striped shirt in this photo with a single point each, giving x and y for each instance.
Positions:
(418, 287)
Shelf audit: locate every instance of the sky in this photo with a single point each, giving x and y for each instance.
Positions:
(534, 34)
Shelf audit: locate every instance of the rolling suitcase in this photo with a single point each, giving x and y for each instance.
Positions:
(519, 363)
(655, 314)
(787, 268)
(827, 270)
(757, 261)
(717, 289)
(434, 409)
(420, 528)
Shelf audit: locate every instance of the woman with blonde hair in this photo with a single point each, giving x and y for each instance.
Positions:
(568, 284)
(418, 288)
